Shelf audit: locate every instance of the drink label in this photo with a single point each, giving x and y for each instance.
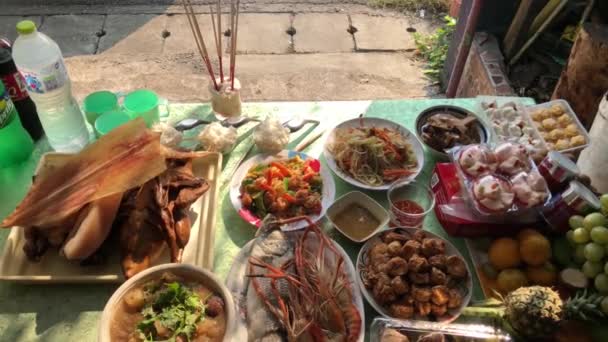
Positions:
(47, 79)
(7, 109)
(15, 84)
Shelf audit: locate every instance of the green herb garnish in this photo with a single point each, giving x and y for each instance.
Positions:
(174, 306)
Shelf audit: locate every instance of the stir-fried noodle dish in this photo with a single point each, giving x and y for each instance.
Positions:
(373, 155)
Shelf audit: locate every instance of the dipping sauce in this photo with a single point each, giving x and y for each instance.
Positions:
(356, 221)
(406, 213)
(408, 206)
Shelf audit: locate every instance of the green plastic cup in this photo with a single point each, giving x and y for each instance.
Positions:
(108, 121)
(144, 103)
(98, 103)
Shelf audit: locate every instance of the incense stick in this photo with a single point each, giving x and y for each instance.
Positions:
(233, 45)
(200, 42)
(219, 38)
(215, 38)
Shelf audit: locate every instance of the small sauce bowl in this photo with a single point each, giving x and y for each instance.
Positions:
(352, 200)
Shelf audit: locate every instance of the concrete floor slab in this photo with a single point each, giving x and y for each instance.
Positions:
(7, 25)
(180, 77)
(382, 33)
(322, 32)
(263, 33)
(133, 34)
(75, 34)
(181, 38)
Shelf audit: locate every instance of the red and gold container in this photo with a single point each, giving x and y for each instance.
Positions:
(577, 199)
(557, 170)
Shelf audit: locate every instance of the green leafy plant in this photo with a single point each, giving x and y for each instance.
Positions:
(433, 48)
(436, 6)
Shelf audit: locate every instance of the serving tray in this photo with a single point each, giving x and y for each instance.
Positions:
(53, 268)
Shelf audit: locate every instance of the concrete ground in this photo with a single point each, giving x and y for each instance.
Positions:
(287, 50)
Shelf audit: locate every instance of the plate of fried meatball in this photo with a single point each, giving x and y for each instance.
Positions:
(409, 273)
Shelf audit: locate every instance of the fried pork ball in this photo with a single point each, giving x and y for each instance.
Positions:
(401, 310)
(438, 261)
(456, 266)
(397, 266)
(383, 291)
(440, 294)
(455, 299)
(419, 278)
(410, 248)
(399, 285)
(419, 235)
(418, 263)
(394, 248)
(437, 277)
(391, 236)
(432, 247)
(421, 293)
(439, 310)
(423, 308)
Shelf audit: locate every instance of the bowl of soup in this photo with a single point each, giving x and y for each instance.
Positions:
(176, 302)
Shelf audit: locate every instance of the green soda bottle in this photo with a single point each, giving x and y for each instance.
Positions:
(16, 145)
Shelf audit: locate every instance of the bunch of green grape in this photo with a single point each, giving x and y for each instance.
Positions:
(589, 235)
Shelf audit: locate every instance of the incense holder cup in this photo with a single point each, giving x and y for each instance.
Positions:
(226, 102)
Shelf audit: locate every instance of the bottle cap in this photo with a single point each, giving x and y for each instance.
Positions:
(26, 27)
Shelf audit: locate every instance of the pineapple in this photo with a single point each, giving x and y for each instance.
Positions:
(537, 311)
(533, 311)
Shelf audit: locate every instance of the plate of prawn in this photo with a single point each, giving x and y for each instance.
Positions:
(412, 274)
(295, 286)
(286, 185)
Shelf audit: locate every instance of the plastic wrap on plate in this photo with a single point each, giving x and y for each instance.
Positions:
(499, 180)
(511, 123)
(388, 330)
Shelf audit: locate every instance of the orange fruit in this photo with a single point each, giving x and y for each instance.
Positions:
(511, 279)
(504, 253)
(524, 234)
(545, 275)
(535, 250)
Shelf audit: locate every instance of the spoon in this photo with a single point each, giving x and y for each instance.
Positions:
(295, 124)
(190, 123)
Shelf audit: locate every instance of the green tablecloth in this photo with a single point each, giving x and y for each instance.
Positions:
(71, 312)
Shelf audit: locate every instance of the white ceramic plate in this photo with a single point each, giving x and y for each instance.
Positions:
(465, 287)
(369, 122)
(238, 284)
(327, 196)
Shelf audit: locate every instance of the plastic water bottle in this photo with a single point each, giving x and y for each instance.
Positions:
(40, 61)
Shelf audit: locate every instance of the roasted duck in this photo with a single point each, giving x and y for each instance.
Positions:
(157, 213)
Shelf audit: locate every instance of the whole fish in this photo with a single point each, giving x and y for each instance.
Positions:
(274, 247)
